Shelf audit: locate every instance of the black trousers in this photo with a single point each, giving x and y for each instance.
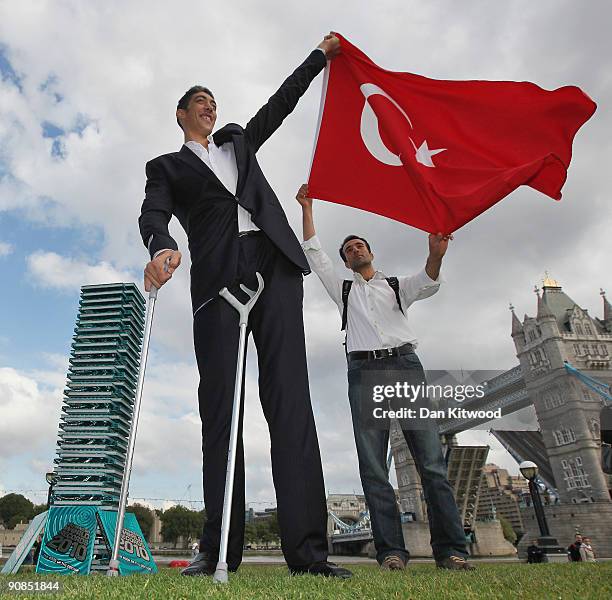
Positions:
(276, 323)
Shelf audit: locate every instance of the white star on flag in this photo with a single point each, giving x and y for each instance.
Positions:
(423, 154)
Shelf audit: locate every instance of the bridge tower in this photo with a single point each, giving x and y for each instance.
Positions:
(567, 412)
(409, 484)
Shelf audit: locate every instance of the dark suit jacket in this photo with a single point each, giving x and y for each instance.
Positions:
(181, 184)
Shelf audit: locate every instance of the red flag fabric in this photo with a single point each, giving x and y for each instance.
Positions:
(435, 154)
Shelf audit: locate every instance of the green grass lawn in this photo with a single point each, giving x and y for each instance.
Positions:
(419, 581)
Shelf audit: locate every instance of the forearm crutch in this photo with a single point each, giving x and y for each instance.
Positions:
(243, 312)
(113, 565)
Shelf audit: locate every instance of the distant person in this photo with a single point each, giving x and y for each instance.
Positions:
(573, 550)
(535, 554)
(586, 551)
(37, 547)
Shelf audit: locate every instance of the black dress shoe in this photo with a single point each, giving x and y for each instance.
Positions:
(325, 568)
(202, 564)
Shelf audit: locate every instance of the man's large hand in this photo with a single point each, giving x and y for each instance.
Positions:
(330, 45)
(155, 272)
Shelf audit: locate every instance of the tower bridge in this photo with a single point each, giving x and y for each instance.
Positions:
(507, 391)
(563, 437)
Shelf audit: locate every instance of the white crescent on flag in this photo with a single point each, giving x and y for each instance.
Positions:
(370, 133)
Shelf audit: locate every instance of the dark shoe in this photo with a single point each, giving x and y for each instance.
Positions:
(202, 564)
(393, 562)
(454, 563)
(325, 568)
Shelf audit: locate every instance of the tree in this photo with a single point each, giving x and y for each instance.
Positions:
(145, 518)
(15, 520)
(264, 535)
(179, 521)
(199, 519)
(274, 526)
(15, 505)
(38, 508)
(250, 533)
(507, 529)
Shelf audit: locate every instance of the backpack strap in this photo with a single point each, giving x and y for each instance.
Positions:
(346, 290)
(394, 284)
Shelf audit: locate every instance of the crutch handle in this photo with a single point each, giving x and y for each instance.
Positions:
(244, 309)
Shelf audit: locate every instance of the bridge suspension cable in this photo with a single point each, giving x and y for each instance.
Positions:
(362, 523)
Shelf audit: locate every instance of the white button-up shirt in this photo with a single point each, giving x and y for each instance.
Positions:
(221, 160)
(374, 320)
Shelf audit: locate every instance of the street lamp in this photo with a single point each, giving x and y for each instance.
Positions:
(51, 478)
(529, 470)
(549, 544)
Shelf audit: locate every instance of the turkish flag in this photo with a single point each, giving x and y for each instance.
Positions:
(435, 154)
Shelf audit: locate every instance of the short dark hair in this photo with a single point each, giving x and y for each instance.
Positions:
(348, 238)
(183, 103)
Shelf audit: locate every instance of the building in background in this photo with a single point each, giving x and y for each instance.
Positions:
(498, 497)
(97, 408)
(567, 411)
(566, 441)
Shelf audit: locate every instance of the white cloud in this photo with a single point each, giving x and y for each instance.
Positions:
(497, 453)
(50, 270)
(56, 361)
(30, 415)
(5, 249)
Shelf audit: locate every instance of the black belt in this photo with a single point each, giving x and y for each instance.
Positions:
(382, 353)
(250, 232)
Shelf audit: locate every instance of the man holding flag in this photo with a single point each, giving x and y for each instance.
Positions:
(236, 228)
(434, 155)
(378, 338)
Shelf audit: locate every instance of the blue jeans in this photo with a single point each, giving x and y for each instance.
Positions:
(446, 529)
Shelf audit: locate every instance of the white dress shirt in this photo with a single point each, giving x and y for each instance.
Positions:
(374, 320)
(221, 160)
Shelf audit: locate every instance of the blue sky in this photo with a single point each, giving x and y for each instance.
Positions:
(43, 320)
(87, 96)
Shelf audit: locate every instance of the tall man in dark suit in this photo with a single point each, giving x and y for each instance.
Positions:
(236, 227)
